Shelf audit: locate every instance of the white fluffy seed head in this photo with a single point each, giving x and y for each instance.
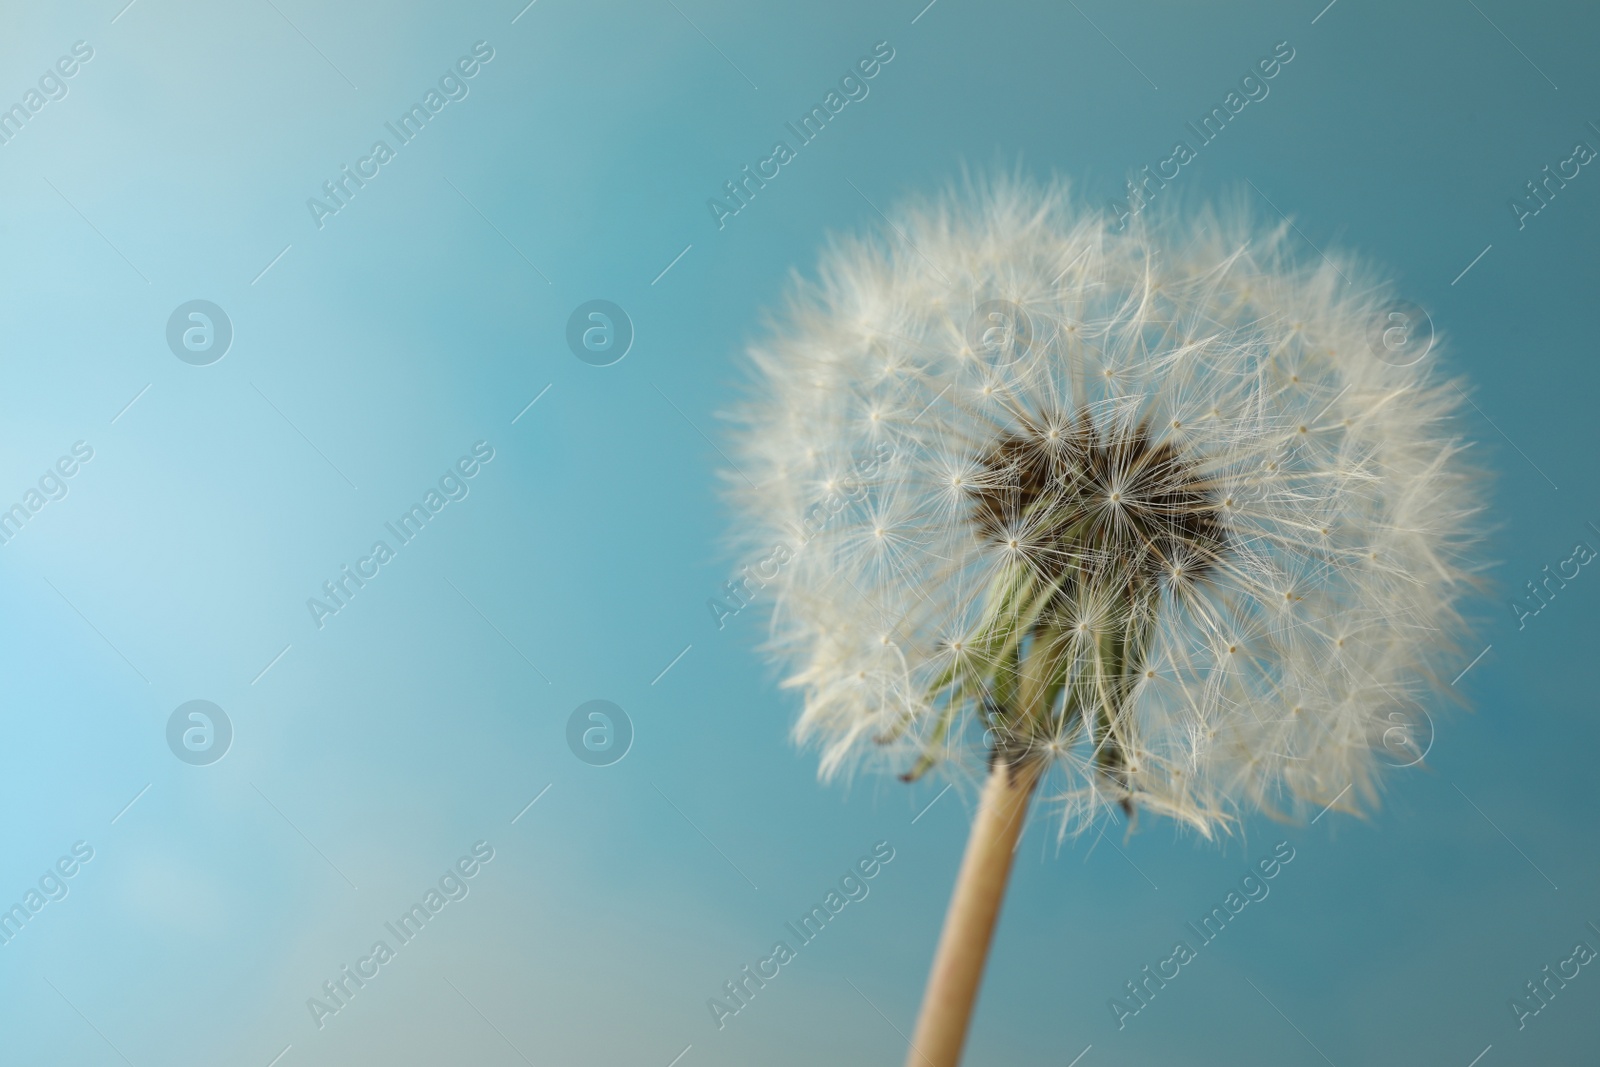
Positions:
(1143, 504)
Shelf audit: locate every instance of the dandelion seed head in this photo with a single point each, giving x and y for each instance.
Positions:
(1162, 521)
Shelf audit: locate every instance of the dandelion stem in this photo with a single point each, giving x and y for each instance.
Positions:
(952, 990)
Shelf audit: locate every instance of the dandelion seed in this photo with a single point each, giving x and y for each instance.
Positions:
(1140, 590)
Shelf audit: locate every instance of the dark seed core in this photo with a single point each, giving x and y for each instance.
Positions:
(1113, 506)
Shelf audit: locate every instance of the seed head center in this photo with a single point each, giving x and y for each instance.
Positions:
(1047, 484)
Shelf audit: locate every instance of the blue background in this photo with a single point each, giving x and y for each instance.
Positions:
(425, 316)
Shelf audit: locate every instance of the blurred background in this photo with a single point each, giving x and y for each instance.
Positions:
(348, 360)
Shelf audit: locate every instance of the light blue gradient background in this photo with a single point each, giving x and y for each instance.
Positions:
(408, 728)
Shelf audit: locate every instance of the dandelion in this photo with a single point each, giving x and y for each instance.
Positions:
(1132, 521)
